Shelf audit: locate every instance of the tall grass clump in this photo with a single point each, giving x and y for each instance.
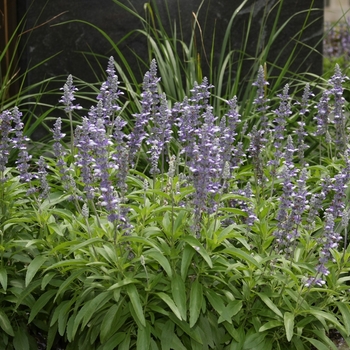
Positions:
(224, 240)
(15, 87)
(228, 61)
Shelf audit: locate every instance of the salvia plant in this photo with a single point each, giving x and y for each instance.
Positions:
(224, 240)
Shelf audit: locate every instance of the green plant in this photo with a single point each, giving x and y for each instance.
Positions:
(207, 248)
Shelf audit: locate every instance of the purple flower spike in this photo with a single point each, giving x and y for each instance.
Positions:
(329, 240)
(300, 132)
(149, 103)
(42, 175)
(201, 94)
(339, 119)
(5, 140)
(160, 133)
(322, 116)
(68, 95)
(261, 101)
(100, 145)
(189, 115)
(109, 93)
(257, 143)
(292, 203)
(206, 166)
(20, 143)
(83, 158)
(228, 128)
(282, 113)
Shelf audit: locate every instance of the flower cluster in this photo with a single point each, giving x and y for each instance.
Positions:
(282, 113)
(337, 41)
(160, 133)
(261, 100)
(149, 108)
(68, 95)
(11, 136)
(336, 91)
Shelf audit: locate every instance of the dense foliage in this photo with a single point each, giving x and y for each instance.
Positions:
(191, 231)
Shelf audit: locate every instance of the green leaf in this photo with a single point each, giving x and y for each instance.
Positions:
(69, 263)
(3, 278)
(21, 341)
(187, 256)
(232, 308)
(321, 335)
(123, 282)
(298, 344)
(51, 336)
(215, 300)
(66, 284)
(166, 224)
(143, 338)
(170, 303)
(46, 279)
(210, 334)
(317, 344)
(40, 303)
(136, 303)
(253, 341)
(85, 243)
(289, 325)
(114, 341)
(108, 320)
(63, 315)
(138, 239)
(33, 268)
(169, 339)
(238, 253)
(198, 247)
(321, 315)
(70, 328)
(178, 223)
(179, 295)
(161, 259)
(92, 306)
(56, 313)
(196, 299)
(166, 335)
(269, 303)
(194, 333)
(269, 325)
(125, 345)
(5, 324)
(344, 309)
